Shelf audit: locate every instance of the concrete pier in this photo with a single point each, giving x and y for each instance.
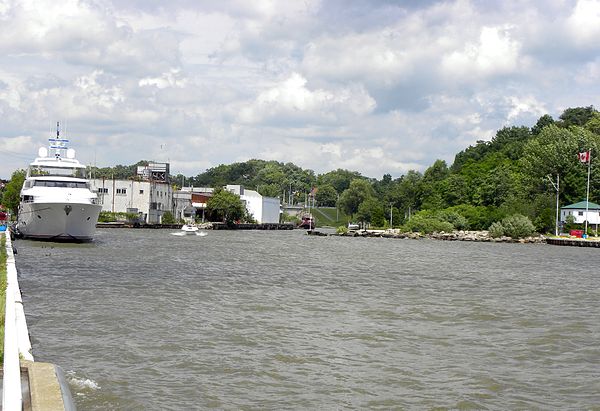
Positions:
(573, 242)
(26, 385)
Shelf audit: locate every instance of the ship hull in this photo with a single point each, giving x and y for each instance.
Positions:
(58, 221)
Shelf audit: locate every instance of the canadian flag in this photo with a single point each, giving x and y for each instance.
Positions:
(584, 157)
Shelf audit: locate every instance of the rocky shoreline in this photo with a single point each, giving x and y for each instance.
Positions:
(475, 236)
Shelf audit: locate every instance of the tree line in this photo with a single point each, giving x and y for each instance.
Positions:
(488, 181)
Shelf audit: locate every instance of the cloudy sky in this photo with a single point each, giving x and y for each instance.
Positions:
(373, 86)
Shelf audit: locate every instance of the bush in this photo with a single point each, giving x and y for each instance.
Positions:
(427, 225)
(515, 226)
(478, 217)
(110, 217)
(518, 226)
(342, 230)
(167, 218)
(457, 220)
(496, 230)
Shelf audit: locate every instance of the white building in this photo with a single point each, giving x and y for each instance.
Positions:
(150, 198)
(263, 209)
(577, 210)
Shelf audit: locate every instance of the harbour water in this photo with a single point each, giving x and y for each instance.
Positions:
(143, 320)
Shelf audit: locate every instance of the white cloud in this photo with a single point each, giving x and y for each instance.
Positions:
(380, 87)
(495, 53)
(584, 23)
(291, 101)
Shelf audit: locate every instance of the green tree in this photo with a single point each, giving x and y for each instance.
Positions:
(594, 124)
(554, 151)
(358, 191)
(326, 196)
(12, 191)
(407, 192)
(542, 122)
(225, 206)
(371, 211)
(269, 190)
(340, 179)
(577, 116)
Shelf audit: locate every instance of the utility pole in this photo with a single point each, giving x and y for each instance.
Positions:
(557, 188)
(587, 197)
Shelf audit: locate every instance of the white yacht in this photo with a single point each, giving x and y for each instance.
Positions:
(56, 200)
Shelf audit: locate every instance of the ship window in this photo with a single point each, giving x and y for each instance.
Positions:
(35, 171)
(63, 184)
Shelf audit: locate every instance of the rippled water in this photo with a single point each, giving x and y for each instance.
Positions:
(142, 320)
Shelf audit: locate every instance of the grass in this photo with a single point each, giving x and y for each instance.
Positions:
(326, 216)
(2, 291)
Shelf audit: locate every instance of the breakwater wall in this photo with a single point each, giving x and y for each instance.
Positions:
(574, 242)
(475, 236)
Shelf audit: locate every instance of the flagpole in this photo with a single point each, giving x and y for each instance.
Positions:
(587, 196)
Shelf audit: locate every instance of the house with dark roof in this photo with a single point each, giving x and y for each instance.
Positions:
(577, 210)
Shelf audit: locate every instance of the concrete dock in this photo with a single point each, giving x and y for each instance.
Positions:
(573, 242)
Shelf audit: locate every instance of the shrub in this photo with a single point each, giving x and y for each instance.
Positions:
(342, 230)
(518, 226)
(496, 230)
(478, 217)
(515, 226)
(457, 220)
(427, 225)
(167, 218)
(107, 217)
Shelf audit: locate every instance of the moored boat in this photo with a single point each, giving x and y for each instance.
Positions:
(56, 200)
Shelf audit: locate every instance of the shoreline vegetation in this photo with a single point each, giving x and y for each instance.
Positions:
(457, 235)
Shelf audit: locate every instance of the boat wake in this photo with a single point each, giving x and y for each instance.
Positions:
(197, 233)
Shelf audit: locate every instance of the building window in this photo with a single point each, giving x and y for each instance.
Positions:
(121, 191)
(103, 190)
(141, 191)
(580, 213)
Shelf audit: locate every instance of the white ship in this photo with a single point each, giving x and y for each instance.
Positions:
(56, 200)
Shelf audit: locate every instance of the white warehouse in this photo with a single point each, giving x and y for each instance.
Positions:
(150, 198)
(263, 209)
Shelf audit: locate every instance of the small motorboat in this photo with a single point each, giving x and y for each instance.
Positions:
(189, 229)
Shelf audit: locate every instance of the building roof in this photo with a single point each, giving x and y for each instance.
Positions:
(581, 206)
